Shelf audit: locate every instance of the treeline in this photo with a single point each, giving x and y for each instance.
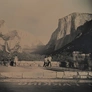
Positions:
(30, 57)
(63, 56)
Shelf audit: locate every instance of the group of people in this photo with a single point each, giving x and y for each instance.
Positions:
(10, 61)
(14, 61)
(47, 61)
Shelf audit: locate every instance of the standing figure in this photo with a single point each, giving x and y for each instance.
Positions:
(16, 60)
(49, 61)
(45, 61)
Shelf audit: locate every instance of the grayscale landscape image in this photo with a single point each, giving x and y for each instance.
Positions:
(45, 45)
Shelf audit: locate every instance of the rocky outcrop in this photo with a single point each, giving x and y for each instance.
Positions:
(68, 30)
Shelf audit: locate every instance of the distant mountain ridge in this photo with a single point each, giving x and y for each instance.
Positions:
(69, 28)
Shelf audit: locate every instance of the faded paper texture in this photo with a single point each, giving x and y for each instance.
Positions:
(45, 45)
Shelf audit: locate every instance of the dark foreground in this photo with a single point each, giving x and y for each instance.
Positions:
(45, 87)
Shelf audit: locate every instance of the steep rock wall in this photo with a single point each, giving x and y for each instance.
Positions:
(67, 30)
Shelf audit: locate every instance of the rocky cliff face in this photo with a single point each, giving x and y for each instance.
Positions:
(68, 30)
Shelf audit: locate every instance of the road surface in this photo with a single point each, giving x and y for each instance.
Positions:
(45, 87)
(28, 86)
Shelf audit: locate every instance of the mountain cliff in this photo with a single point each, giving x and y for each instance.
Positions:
(69, 28)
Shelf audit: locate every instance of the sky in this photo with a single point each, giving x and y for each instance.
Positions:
(40, 17)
